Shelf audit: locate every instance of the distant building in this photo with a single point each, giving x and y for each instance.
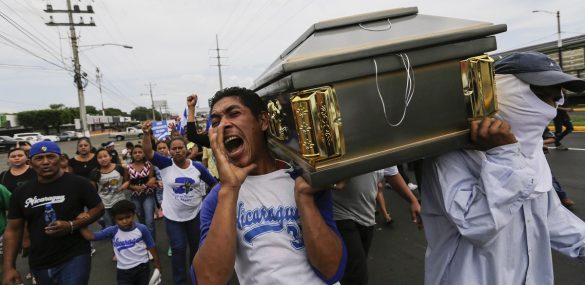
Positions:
(8, 121)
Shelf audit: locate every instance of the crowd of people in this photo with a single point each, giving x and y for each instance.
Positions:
(489, 214)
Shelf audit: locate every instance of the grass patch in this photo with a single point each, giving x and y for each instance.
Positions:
(578, 120)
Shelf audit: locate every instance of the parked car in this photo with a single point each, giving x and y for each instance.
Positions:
(70, 135)
(7, 143)
(30, 137)
(130, 132)
(51, 138)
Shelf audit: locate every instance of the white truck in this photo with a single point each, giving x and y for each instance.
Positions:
(130, 132)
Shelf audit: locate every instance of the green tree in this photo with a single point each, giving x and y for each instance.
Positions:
(116, 112)
(43, 119)
(143, 113)
(56, 106)
(91, 110)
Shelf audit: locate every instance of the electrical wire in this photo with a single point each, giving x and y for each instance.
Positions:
(2, 36)
(247, 50)
(29, 35)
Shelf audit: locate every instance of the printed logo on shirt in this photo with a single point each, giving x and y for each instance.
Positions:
(37, 202)
(260, 221)
(125, 244)
(109, 185)
(187, 185)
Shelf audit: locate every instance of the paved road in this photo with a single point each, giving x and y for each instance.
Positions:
(397, 254)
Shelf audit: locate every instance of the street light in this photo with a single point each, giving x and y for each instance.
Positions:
(78, 76)
(107, 44)
(559, 40)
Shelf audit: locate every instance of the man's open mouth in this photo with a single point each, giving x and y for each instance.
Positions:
(233, 144)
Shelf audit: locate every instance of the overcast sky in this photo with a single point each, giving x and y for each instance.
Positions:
(174, 42)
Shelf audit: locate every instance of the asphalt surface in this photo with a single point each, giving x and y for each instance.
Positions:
(397, 253)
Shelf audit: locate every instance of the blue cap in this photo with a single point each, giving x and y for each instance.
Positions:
(538, 69)
(44, 147)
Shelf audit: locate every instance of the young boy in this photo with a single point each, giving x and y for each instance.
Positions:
(131, 243)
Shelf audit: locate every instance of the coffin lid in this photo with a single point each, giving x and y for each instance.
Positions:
(371, 34)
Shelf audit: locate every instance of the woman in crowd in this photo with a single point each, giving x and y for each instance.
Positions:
(141, 181)
(162, 148)
(182, 199)
(108, 179)
(64, 162)
(19, 172)
(84, 161)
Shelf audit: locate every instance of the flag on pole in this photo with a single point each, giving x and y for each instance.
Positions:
(182, 124)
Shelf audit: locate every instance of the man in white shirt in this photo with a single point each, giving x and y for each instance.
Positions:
(262, 219)
(489, 214)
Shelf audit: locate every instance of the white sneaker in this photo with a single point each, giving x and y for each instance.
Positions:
(412, 186)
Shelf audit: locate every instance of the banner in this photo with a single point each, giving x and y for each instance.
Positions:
(160, 130)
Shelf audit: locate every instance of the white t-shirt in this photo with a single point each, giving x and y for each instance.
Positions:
(391, 171)
(270, 247)
(182, 192)
(130, 247)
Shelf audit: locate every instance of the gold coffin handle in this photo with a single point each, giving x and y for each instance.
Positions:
(479, 89)
(318, 123)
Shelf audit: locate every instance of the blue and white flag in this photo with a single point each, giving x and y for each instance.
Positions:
(182, 124)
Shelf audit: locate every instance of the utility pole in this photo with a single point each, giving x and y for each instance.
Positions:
(559, 40)
(77, 66)
(98, 78)
(151, 100)
(218, 62)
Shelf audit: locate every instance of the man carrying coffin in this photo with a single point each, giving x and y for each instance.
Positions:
(490, 214)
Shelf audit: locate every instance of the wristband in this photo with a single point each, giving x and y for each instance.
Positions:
(71, 225)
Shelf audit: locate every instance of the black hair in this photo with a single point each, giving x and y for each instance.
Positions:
(129, 145)
(132, 152)
(21, 143)
(161, 141)
(248, 97)
(122, 207)
(178, 139)
(103, 149)
(17, 149)
(84, 139)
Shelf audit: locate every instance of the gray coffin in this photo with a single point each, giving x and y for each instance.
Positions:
(353, 58)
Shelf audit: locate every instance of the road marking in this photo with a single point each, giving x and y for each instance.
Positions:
(571, 148)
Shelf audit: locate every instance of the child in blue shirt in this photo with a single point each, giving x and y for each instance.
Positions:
(132, 242)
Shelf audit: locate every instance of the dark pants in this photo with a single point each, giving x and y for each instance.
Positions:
(559, 133)
(138, 275)
(357, 239)
(74, 271)
(557, 186)
(145, 207)
(180, 235)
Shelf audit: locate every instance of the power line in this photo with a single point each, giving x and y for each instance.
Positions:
(29, 35)
(2, 36)
(30, 67)
(270, 33)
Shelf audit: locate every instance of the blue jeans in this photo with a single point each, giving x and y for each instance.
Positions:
(138, 275)
(108, 219)
(145, 210)
(557, 186)
(180, 234)
(74, 271)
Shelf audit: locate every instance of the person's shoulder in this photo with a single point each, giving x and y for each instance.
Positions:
(141, 227)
